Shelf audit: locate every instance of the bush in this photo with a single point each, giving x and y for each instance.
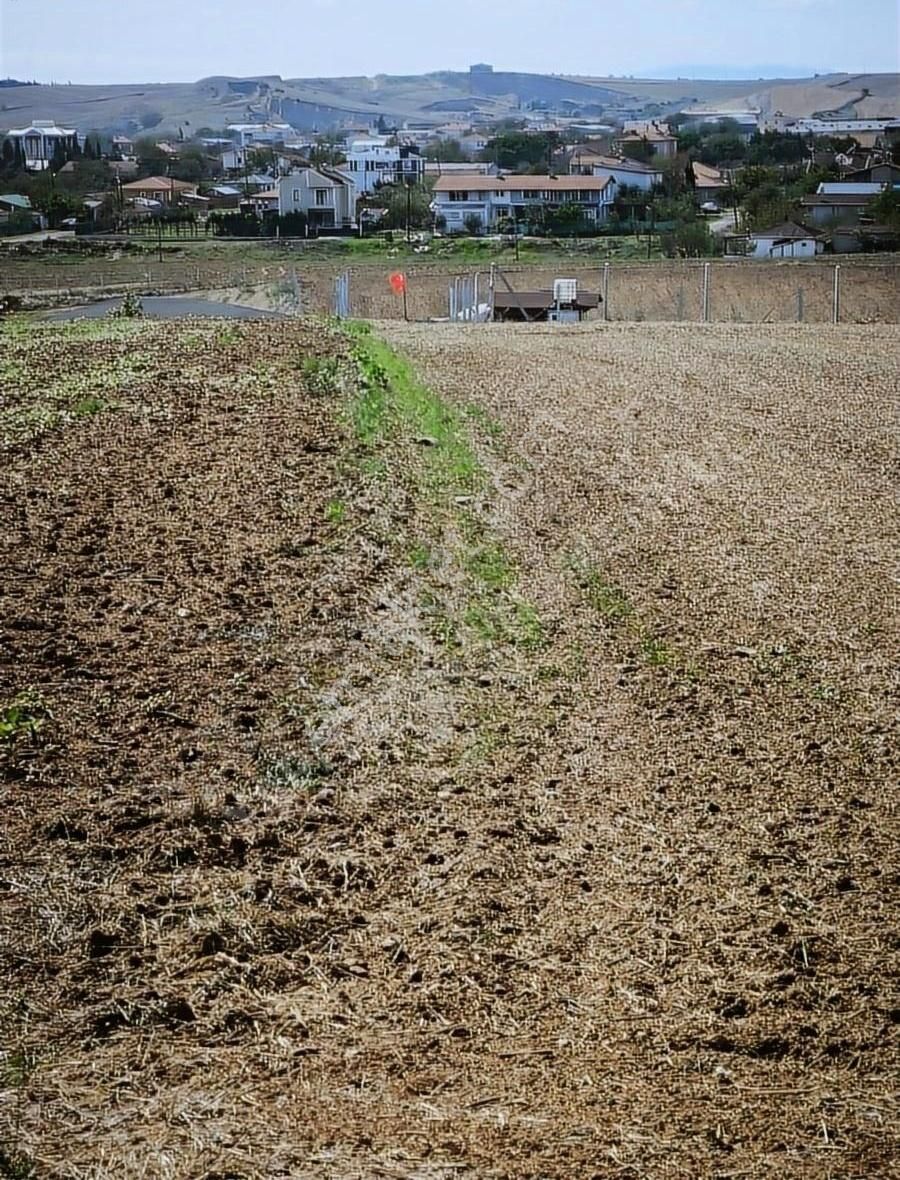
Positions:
(689, 239)
(130, 308)
(248, 225)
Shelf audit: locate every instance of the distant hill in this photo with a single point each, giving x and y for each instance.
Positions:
(321, 104)
(745, 73)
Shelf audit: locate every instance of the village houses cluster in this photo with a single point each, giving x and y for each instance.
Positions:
(268, 168)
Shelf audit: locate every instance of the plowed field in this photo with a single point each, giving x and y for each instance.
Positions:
(488, 778)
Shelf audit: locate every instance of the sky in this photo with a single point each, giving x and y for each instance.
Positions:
(107, 41)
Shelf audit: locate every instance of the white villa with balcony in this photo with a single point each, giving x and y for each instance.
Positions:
(373, 162)
(40, 141)
(494, 201)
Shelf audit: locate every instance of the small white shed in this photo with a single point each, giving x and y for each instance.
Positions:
(786, 241)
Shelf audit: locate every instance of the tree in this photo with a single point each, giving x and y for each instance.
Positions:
(885, 208)
(691, 239)
(689, 141)
(260, 158)
(516, 150)
(89, 176)
(472, 224)
(636, 149)
(150, 157)
(773, 147)
(393, 197)
(60, 157)
(722, 148)
(445, 151)
(192, 165)
(329, 150)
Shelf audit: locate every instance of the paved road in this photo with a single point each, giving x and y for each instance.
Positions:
(165, 308)
(722, 225)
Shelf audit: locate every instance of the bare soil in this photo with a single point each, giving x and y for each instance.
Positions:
(306, 872)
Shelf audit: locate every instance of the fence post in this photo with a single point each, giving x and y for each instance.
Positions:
(836, 298)
(475, 298)
(799, 305)
(706, 292)
(679, 303)
(605, 291)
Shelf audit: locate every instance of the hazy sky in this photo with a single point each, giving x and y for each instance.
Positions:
(183, 40)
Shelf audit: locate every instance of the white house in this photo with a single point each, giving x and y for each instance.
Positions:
(327, 197)
(634, 173)
(373, 161)
(657, 139)
(493, 201)
(785, 241)
(40, 141)
(249, 134)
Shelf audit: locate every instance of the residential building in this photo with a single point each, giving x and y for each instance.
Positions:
(14, 203)
(839, 188)
(885, 173)
(658, 143)
(123, 169)
(474, 143)
(235, 160)
(856, 239)
(374, 161)
(253, 182)
(267, 200)
(747, 120)
(19, 206)
(642, 126)
(789, 240)
(41, 140)
(239, 159)
(472, 168)
(327, 197)
(164, 190)
(122, 147)
(838, 127)
(842, 207)
(247, 134)
(493, 201)
(585, 162)
(709, 183)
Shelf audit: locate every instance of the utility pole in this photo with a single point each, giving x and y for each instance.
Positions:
(652, 227)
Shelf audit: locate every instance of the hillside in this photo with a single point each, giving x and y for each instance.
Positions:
(322, 103)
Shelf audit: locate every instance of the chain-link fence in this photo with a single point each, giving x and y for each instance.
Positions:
(864, 291)
(720, 292)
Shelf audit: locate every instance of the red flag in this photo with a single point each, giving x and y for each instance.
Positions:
(398, 283)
